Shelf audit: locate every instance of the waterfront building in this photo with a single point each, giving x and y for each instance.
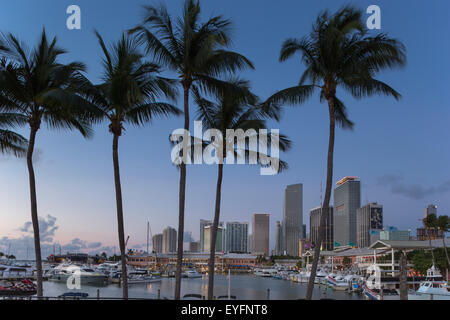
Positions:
(237, 237)
(169, 240)
(157, 243)
(292, 218)
(347, 199)
(233, 261)
(314, 222)
(260, 229)
(369, 223)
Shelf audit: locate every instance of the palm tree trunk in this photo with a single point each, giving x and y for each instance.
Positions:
(120, 224)
(403, 276)
(34, 213)
(445, 250)
(182, 199)
(429, 241)
(212, 249)
(326, 202)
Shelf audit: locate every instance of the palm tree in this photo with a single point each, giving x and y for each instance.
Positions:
(11, 142)
(233, 110)
(128, 94)
(197, 52)
(339, 53)
(443, 224)
(430, 223)
(41, 89)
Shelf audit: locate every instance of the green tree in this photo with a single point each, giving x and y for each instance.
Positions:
(41, 89)
(128, 95)
(339, 53)
(443, 224)
(233, 110)
(197, 52)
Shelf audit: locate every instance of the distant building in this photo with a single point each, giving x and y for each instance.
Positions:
(279, 239)
(314, 222)
(194, 246)
(157, 243)
(207, 239)
(369, 223)
(237, 237)
(169, 240)
(429, 233)
(292, 218)
(392, 233)
(347, 199)
(203, 224)
(303, 246)
(260, 227)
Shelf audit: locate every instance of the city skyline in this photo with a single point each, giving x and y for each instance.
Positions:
(75, 187)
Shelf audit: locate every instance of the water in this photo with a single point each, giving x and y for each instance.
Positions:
(245, 287)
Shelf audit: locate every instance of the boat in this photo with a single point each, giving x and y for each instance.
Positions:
(24, 287)
(337, 282)
(74, 295)
(375, 294)
(87, 275)
(135, 279)
(192, 274)
(15, 272)
(433, 288)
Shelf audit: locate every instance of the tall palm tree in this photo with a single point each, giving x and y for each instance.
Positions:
(41, 89)
(235, 110)
(430, 223)
(339, 53)
(196, 51)
(443, 223)
(128, 94)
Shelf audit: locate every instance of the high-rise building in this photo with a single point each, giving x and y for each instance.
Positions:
(260, 230)
(279, 239)
(157, 243)
(237, 237)
(314, 222)
(392, 233)
(369, 223)
(347, 199)
(207, 239)
(292, 218)
(194, 246)
(203, 224)
(169, 240)
(431, 209)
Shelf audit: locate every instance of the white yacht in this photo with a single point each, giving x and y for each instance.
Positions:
(337, 282)
(192, 274)
(14, 272)
(87, 275)
(138, 278)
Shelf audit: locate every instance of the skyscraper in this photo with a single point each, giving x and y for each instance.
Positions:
(279, 239)
(157, 243)
(203, 224)
(207, 239)
(369, 223)
(347, 199)
(169, 240)
(292, 218)
(260, 230)
(314, 222)
(237, 237)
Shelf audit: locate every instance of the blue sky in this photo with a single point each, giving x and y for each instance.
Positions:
(399, 149)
